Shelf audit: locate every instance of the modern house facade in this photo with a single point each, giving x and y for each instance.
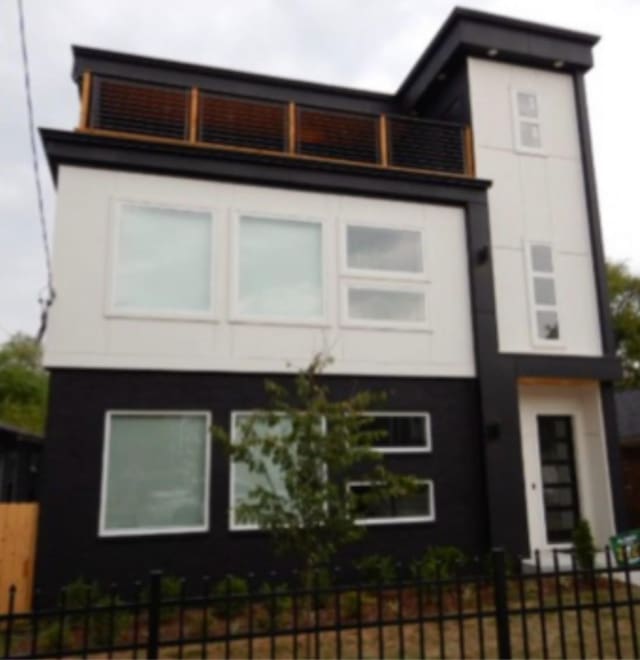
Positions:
(217, 228)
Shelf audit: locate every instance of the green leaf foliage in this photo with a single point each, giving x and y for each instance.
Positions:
(23, 384)
(584, 546)
(624, 298)
(309, 512)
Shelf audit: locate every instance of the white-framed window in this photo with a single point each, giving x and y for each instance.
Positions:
(406, 432)
(543, 295)
(243, 480)
(278, 270)
(376, 304)
(383, 251)
(417, 507)
(384, 276)
(162, 262)
(155, 473)
(527, 124)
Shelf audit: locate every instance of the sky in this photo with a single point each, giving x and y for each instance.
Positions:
(368, 44)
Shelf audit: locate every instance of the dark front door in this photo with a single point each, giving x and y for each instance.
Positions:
(560, 488)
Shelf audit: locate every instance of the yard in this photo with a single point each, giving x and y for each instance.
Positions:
(551, 616)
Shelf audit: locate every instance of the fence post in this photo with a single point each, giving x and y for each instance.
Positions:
(155, 587)
(501, 604)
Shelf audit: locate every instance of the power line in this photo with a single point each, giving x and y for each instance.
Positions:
(46, 299)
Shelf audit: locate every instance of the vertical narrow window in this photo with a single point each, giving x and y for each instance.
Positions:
(163, 261)
(526, 121)
(546, 324)
(279, 270)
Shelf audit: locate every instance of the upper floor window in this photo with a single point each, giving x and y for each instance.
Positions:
(279, 269)
(542, 288)
(385, 276)
(380, 250)
(163, 261)
(526, 121)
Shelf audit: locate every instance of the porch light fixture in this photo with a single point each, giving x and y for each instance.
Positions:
(558, 64)
(492, 52)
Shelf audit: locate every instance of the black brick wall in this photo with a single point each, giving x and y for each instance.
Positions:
(68, 543)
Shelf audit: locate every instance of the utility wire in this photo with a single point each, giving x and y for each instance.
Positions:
(47, 297)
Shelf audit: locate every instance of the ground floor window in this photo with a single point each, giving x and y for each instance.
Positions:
(155, 473)
(415, 507)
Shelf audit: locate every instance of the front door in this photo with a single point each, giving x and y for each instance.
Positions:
(558, 471)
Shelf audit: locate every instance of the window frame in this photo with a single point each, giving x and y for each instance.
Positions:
(103, 531)
(398, 520)
(235, 315)
(517, 120)
(535, 307)
(381, 285)
(379, 274)
(233, 525)
(111, 310)
(399, 449)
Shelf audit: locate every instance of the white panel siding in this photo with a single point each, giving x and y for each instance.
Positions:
(85, 332)
(535, 197)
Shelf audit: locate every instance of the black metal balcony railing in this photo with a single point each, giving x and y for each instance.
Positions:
(202, 118)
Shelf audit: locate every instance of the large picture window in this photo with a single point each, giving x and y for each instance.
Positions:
(279, 269)
(244, 480)
(155, 473)
(163, 261)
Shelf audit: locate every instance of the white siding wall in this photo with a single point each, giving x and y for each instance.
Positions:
(535, 197)
(582, 404)
(83, 334)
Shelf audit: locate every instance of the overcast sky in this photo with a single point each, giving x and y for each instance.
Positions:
(369, 44)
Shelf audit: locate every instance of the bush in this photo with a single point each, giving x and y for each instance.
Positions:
(49, 639)
(437, 562)
(276, 598)
(106, 626)
(583, 545)
(77, 595)
(231, 596)
(376, 569)
(170, 589)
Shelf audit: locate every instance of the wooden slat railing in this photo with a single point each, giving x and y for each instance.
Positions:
(201, 118)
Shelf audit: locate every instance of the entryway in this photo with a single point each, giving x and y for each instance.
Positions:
(565, 462)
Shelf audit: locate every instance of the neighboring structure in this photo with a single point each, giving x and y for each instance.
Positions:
(442, 243)
(19, 464)
(628, 409)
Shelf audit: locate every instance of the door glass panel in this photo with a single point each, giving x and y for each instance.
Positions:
(562, 496)
(559, 483)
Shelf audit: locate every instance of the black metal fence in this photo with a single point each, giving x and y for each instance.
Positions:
(492, 608)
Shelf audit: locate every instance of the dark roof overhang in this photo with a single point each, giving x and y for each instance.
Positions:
(468, 32)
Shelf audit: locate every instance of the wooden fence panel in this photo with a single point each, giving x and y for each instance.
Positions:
(18, 533)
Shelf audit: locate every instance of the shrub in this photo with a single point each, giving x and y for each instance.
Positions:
(77, 595)
(275, 598)
(437, 562)
(50, 639)
(231, 596)
(583, 545)
(376, 569)
(107, 625)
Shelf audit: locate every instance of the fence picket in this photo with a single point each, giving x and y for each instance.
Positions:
(445, 614)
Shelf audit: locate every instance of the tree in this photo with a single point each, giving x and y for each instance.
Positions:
(23, 384)
(303, 449)
(624, 296)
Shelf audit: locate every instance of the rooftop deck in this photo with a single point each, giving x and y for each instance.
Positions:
(204, 119)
